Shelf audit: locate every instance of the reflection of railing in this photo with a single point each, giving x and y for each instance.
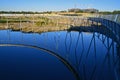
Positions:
(77, 52)
(111, 25)
(109, 45)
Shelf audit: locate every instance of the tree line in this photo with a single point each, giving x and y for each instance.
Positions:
(49, 12)
(108, 12)
(23, 12)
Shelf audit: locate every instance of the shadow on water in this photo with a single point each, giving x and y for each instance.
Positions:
(91, 54)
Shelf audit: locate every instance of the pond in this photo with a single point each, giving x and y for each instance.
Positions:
(60, 55)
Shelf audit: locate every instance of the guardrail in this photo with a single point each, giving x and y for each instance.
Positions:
(115, 18)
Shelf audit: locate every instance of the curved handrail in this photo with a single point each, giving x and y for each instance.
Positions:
(113, 26)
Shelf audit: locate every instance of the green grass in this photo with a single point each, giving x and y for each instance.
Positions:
(12, 21)
(3, 21)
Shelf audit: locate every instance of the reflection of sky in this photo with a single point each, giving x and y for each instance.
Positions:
(43, 5)
(31, 64)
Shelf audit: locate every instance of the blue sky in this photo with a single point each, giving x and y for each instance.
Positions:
(56, 5)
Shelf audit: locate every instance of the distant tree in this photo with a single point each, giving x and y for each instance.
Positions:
(92, 12)
(105, 12)
(116, 12)
(74, 10)
(63, 11)
(80, 11)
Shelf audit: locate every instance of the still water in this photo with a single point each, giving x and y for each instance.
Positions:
(58, 56)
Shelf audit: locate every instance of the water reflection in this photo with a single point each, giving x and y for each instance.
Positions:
(29, 63)
(94, 56)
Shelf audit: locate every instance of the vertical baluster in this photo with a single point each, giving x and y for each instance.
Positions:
(7, 24)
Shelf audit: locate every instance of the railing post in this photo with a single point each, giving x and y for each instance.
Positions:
(110, 25)
(115, 28)
(33, 23)
(7, 24)
(107, 23)
(118, 32)
(113, 24)
(20, 24)
(116, 17)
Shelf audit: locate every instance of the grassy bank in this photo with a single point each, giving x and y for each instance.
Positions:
(41, 23)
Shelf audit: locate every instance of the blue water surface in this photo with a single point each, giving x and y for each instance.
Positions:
(75, 56)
